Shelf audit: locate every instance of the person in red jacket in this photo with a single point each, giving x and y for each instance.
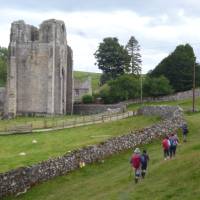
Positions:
(136, 164)
(166, 146)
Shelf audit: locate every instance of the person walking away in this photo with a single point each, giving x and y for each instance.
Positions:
(173, 144)
(166, 145)
(184, 132)
(136, 164)
(144, 162)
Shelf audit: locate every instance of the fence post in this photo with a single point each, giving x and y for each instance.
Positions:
(45, 123)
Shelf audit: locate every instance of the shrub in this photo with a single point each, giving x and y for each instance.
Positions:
(87, 99)
(157, 86)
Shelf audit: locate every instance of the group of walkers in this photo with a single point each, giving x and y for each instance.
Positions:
(139, 161)
(169, 145)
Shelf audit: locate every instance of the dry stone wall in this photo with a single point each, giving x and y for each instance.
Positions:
(19, 180)
(174, 97)
(88, 109)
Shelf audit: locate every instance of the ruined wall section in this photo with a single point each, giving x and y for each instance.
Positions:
(37, 77)
(70, 81)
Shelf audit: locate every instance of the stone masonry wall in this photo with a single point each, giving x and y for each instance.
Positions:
(2, 97)
(21, 179)
(37, 72)
(174, 97)
(88, 109)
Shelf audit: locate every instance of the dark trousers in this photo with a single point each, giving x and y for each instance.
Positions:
(166, 153)
(172, 151)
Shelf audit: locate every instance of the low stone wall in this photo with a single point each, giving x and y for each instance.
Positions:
(88, 109)
(174, 97)
(2, 98)
(21, 179)
(165, 112)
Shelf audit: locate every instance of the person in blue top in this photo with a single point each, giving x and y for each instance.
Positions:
(184, 131)
(173, 139)
(144, 162)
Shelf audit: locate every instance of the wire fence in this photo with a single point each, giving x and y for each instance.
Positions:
(57, 124)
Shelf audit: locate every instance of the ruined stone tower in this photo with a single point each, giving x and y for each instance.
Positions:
(40, 70)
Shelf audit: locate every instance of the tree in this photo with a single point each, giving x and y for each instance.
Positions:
(122, 88)
(3, 65)
(157, 86)
(133, 49)
(112, 58)
(178, 68)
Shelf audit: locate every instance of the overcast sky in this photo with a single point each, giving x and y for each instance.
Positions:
(158, 25)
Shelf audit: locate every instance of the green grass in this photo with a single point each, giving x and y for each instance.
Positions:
(185, 104)
(84, 75)
(55, 143)
(174, 179)
(37, 122)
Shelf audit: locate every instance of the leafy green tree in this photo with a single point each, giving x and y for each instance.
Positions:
(158, 86)
(112, 58)
(178, 68)
(3, 65)
(133, 49)
(122, 88)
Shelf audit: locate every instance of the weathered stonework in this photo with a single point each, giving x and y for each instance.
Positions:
(2, 98)
(82, 88)
(21, 179)
(37, 75)
(88, 109)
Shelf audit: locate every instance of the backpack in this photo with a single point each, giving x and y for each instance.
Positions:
(143, 159)
(135, 161)
(173, 142)
(185, 130)
(165, 144)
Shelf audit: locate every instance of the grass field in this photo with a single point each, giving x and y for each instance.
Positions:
(176, 179)
(94, 76)
(55, 143)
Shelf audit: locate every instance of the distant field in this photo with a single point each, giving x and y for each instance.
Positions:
(56, 143)
(94, 76)
(177, 179)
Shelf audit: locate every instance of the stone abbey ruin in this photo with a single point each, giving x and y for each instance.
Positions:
(40, 79)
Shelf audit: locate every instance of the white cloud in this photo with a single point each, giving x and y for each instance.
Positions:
(86, 29)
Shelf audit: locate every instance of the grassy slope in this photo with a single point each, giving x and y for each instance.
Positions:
(51, 144)
(175, 179)
(83, 75)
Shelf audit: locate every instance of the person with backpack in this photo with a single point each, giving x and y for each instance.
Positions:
(136, 164)
(144, 162)
(184, 132)
(166, 146)
(173, 144)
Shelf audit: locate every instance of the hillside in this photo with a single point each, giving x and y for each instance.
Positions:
(94, 76)
(174, 179)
